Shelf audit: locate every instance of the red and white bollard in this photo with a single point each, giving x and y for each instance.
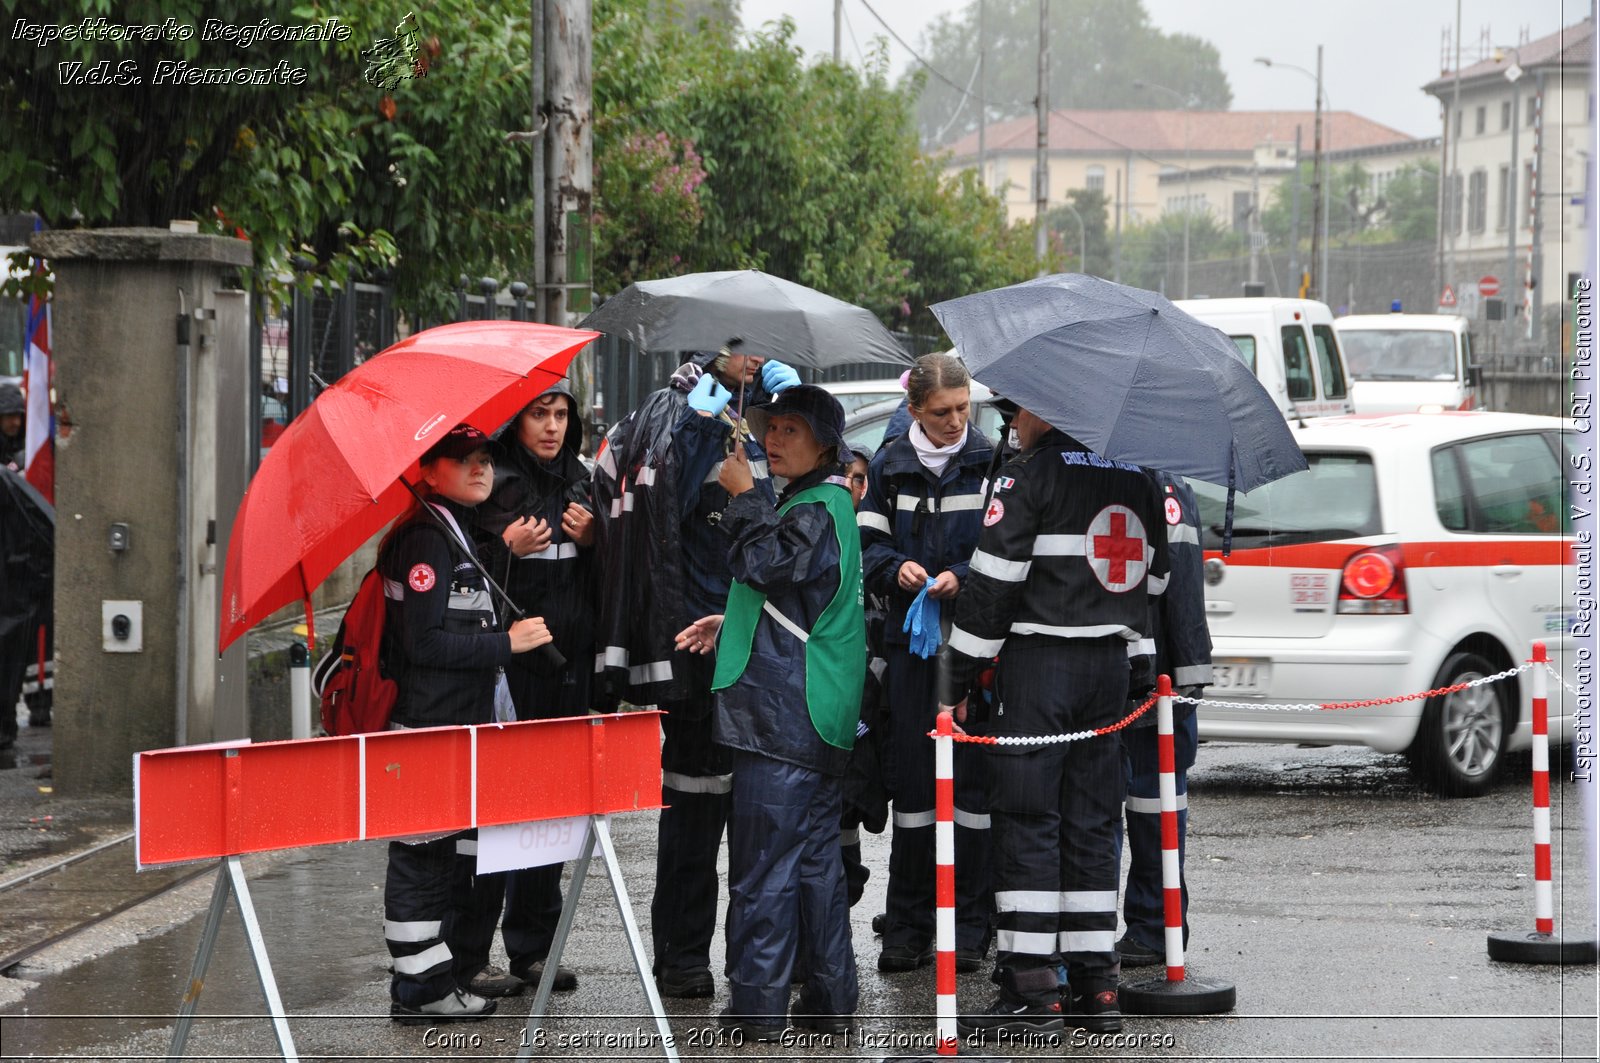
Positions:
(1543, 945)
(1177, 993)
(944, 855)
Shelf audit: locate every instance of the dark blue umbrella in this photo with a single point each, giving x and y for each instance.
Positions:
(1127, 374)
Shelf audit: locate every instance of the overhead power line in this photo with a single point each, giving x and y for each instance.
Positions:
(913, 52)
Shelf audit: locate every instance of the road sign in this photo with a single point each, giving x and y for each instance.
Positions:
(1488, 285)
(1448, 299)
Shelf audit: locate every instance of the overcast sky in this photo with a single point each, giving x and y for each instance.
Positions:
(1377, 54)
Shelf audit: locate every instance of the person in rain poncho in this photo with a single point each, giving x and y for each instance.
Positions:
(791, 661)
(663, 564)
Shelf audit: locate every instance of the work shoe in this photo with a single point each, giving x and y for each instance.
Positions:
(880, 922)
(969, 960)
(492, 981)
(1137, 954)
(822, 1023)
(565, 982)
(460, 1006)
(691, 983)
(904, 957)
(750, 1026)
(1095, 1012)
(1009, 1018)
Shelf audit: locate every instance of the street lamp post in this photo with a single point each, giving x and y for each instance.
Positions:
(1188, 172)
(1083, 240)
(1320, 207)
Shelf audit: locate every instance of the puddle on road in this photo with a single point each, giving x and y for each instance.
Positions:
(317, 951)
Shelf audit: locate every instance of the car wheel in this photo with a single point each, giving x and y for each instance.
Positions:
(1461, 742)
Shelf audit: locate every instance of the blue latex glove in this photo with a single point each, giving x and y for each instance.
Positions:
(775, 376)
(709, 397)
(922, 621)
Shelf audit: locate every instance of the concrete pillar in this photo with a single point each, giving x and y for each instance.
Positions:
(151, 357)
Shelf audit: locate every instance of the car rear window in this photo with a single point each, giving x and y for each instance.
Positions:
(1297, 364)
(1336, 498)
(1328, 362)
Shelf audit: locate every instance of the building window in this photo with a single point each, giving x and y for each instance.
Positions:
(1453, 207)
(1505, 115)
(1095, 179)
(1503, 208)
(1480, 119)
(1477, 200)
(1533, 110)
(1458, 125)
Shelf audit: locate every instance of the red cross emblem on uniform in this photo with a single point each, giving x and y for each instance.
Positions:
(1116, 544)
(421, 578)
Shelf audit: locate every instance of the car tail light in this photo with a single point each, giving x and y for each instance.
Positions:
(1374, 581)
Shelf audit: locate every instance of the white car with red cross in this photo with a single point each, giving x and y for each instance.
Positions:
(1418, 552)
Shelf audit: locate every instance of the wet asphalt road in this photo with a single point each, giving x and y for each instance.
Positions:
(1349, 908)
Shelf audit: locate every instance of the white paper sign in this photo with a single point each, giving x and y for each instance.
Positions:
(534, 844)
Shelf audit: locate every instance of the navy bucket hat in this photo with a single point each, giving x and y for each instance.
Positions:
(814, 405)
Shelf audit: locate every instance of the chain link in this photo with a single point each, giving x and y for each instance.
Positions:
(1575, 692)
(1076, 736)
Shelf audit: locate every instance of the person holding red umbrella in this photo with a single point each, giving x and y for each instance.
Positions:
(445, 651)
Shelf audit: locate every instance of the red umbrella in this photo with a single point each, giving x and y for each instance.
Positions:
(333, 478)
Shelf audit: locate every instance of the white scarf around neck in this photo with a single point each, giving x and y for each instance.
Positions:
(933, 458)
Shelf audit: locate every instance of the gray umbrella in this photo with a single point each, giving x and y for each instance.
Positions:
(1127, 374)
(748, 312)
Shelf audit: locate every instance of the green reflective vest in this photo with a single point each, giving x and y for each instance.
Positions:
(834, 650)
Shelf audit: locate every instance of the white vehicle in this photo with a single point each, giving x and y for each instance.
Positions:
(854, 394)
(1409, 363)
(1291, 347)
(1419, 551)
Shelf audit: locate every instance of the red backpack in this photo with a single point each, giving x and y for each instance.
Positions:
(357, 697)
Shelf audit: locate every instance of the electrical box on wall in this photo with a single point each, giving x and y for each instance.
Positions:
(122, 626)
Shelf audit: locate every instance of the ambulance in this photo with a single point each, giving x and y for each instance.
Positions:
(1405, 363)
(1290, 345)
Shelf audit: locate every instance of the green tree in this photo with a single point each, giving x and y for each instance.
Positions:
(1098, 49)
(1062, 225)
(1152, 252)
(809, 172)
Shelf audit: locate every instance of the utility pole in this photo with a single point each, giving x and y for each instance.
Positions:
(1294, 220)
(838, 17)
(983, 98)
(1041, 163)
(1254, 228)
(1508, 285)
(540, 118)
(1317, 178)
(1536, 244)
(569, 160)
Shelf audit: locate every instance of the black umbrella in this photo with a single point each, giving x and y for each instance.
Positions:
(746, 312)
(1127, 374)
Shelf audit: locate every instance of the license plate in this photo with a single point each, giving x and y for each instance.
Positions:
(1241, 676)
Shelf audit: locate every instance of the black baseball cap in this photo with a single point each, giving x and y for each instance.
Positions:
(458, 443)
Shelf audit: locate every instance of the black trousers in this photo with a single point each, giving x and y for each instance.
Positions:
(1055, 810)
(697, 788)
(427, 901)
(909, 902)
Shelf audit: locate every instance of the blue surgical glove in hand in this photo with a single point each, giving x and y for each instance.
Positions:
(922, 620)
(708, 396)
(775, 376)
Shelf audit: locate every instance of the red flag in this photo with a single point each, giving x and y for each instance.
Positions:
(39, 448)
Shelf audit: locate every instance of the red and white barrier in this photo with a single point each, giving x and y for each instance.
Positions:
(944, 840)
(1543, 945)
(1176, 993)
(1171, 867)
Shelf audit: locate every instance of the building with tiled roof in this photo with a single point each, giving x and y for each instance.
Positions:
(1518, 148)
(1126, 153)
